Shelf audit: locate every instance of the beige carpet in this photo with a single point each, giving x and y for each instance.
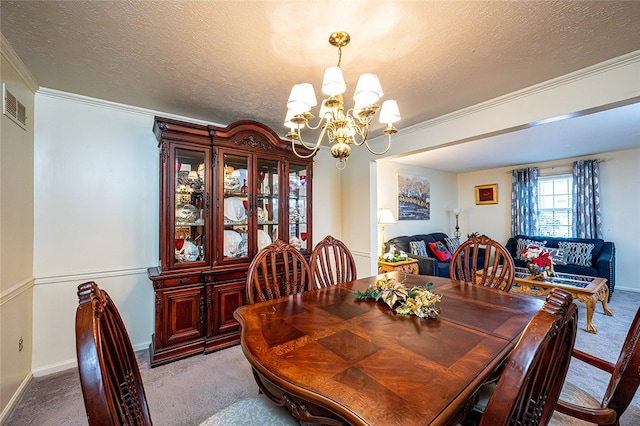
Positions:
(181, 393)
(188, 391)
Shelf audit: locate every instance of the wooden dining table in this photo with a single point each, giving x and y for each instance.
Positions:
(331, 358)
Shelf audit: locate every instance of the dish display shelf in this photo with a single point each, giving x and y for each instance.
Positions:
(190, 193)
(225, 193)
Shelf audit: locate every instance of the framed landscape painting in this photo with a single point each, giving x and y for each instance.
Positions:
(487, 194)
(414, 197)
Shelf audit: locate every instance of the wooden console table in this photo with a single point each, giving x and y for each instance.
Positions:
(586, 289)
(409, 266)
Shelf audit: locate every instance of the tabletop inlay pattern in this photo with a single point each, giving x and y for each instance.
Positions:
(370, 366)
(345, 311)
(349, 346)
(276, 330)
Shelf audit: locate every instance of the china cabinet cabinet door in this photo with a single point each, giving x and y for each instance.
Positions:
(182, 315)
(299, 211)
(226, 299)
(187, 207)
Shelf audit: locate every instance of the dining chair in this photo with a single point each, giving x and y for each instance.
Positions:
(577, 407)
(532, 379)
(481, 253)
(331, 263)
(278, 270)
(110, 377)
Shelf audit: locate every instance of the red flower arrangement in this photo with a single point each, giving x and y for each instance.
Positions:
(540, 262)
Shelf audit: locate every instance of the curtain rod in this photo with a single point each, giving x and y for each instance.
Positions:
(557, 166)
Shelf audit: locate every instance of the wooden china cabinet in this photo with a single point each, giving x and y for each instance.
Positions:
(225, 193)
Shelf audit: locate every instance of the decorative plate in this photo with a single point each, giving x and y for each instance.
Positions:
(234, 209)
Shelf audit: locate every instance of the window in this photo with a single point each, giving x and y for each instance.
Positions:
(554, 205)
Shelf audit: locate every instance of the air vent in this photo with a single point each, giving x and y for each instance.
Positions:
(13, 108)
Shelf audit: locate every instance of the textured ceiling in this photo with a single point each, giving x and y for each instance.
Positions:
(227, 60)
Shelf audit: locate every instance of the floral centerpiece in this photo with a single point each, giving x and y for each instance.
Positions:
(419, 300)
(538, 262)
(394, 255)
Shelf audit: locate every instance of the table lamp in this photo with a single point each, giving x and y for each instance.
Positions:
(457, 211)
(385, 217)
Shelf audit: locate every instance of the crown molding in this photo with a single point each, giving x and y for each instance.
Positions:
(130, 109)
(14, 60)
(585, 73)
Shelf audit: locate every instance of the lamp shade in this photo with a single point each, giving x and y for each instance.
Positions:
(288, 123)
(385, 217)
(333, 83)
(302, 98)
(389, 113)
(368, 90)
(457, 210)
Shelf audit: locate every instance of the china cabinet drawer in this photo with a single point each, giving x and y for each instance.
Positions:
(183, 281)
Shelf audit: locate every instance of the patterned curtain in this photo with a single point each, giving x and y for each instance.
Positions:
(587, 218)
(524, 201)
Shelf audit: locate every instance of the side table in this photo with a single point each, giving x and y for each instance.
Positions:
(409, 266)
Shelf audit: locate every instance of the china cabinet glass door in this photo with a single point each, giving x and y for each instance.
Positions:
(267, 196)
(236, 206)
(299, 233)
(190, 206)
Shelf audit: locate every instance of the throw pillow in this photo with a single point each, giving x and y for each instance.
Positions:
(558, 256)
(452, 244)
(440, 251)
(418, 248)
(577, 253)
(523, 243)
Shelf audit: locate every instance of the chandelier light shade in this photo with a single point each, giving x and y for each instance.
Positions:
(343, 128)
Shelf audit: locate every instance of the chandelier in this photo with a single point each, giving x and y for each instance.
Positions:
(343, 128)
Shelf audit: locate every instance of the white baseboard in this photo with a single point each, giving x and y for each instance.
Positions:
(6, 411)
(73, 363)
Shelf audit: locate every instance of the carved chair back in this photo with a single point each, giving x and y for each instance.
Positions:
(622, 387)
(498, 270)
(277, 270)
(530, 384)
(332, 263)
(109, 375)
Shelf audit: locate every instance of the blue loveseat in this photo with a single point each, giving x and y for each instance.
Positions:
(603, 257)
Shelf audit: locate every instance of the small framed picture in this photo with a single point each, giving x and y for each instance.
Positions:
(487, 194)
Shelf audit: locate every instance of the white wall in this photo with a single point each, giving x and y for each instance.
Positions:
(444, 197)
(96, 218)
(326, 197)
(620, 207)
(493, 220)
(16, 236)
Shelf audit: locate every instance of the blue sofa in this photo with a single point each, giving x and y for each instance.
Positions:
(603, 257)
(427, 265)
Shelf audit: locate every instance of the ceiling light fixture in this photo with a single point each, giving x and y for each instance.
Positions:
(343, 128)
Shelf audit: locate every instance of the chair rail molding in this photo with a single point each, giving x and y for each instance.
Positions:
(16, 290)
(90, 275)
